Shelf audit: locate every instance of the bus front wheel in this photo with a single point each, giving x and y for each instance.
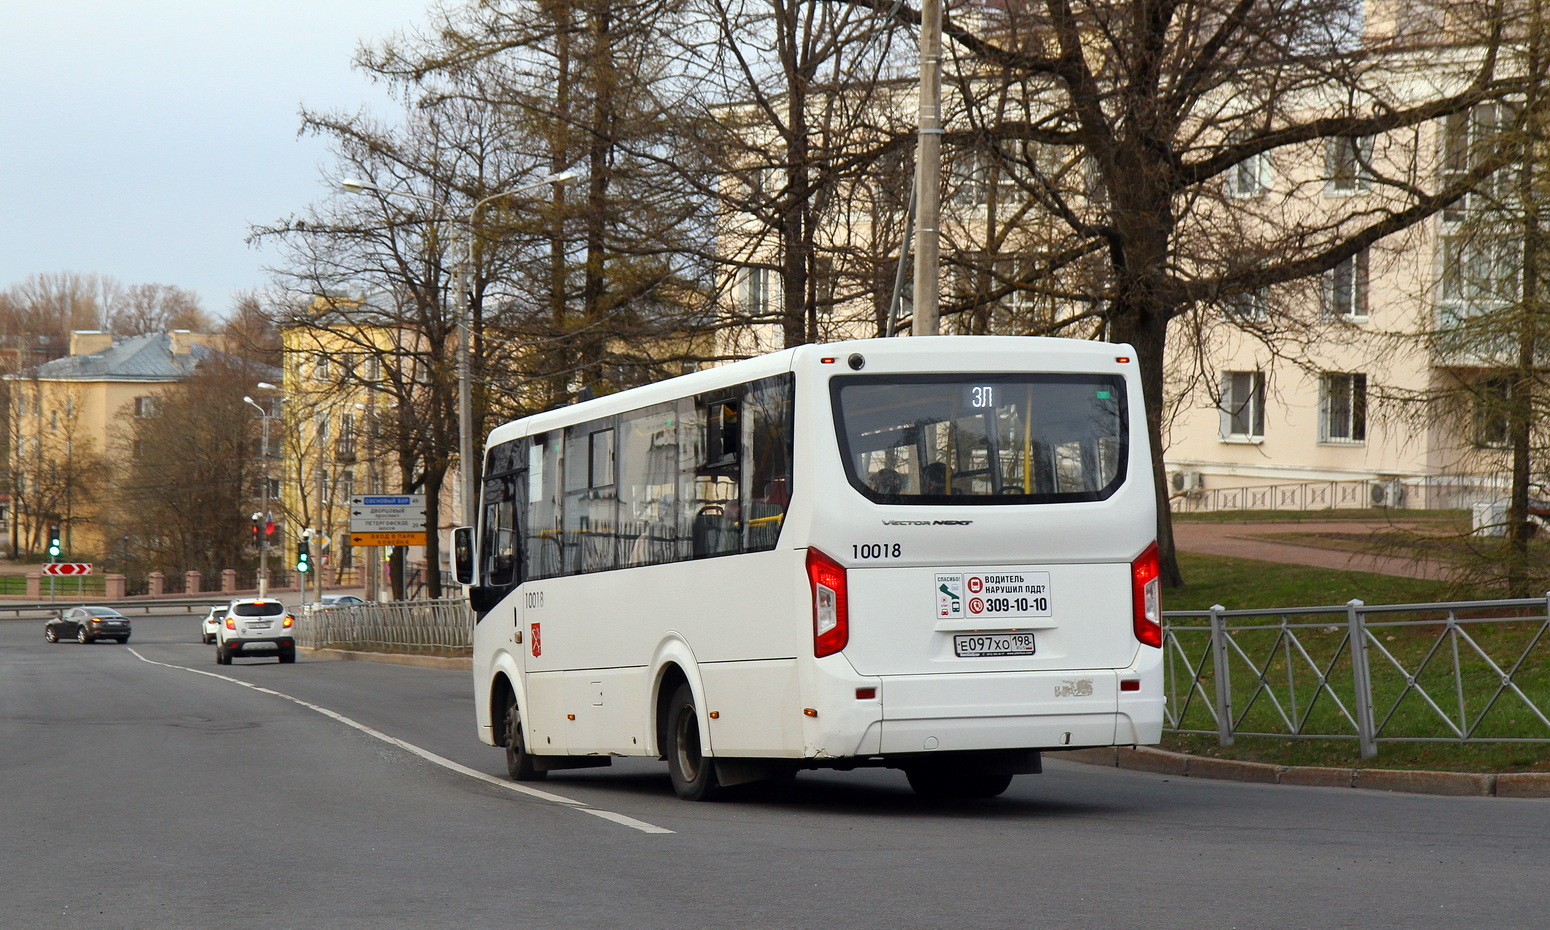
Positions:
(519, 762)
(694, 776)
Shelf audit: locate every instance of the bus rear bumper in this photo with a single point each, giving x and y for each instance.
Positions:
(1015, 710)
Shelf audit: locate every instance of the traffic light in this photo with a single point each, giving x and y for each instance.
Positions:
(53, 541)
(303, 558)
(257, 537)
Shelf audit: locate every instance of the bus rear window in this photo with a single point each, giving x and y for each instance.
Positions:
(982, 439)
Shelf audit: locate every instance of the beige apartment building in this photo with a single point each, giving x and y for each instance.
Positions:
(67, 412)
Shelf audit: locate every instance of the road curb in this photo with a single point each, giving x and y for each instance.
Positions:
(389, 658)
(1184, 765)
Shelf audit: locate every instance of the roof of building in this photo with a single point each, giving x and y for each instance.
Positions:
(140, 358)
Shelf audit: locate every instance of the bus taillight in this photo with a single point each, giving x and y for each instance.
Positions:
(831, 621)
(1146, 600)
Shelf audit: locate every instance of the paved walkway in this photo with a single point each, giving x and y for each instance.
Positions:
(1256, 541)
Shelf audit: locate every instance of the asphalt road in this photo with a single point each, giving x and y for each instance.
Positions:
(143, 786)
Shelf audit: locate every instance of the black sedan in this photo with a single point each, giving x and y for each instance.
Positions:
(87, 625)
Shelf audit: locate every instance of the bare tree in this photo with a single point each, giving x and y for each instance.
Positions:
(45, 308)
(56, 468)
(586, 87)
(1137, 112)
(250, 332)
(156, 308)
(184, 483)
(372, 278)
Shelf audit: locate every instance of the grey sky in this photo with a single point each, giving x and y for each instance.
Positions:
(140, 139)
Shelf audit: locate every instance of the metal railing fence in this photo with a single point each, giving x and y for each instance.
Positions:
(1463, 671)
(444, 626)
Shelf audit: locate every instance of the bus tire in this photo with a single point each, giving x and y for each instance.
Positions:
(519, 762)
(693, 775)
(938, 783)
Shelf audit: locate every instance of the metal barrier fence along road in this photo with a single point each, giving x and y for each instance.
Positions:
(1465, 671)
(444, 626)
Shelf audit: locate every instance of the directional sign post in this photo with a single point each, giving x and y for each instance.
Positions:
(387, 520)
(67, 568)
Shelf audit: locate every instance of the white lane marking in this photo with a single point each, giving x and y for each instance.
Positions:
(630, 822)
(425, 754)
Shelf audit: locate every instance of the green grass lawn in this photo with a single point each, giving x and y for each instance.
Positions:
(1246, 583)
(1424, 652)
(64, 586)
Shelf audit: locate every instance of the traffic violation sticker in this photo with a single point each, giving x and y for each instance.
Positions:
(995, 595)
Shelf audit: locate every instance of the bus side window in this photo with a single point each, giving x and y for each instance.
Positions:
(544, 549)
(767, 407)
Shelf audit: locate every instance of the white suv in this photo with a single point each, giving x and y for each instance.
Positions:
(210, 624)
(256, 626)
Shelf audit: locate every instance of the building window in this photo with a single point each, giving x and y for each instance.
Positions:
(1466, 141)
(968, 176)
(1347, 288)
(344, 447)
(1349, 164)
(1478, 273)
(1250, 305)
(1343, 407)
(1250, 177)
(147, 406)
(1491, 399)
(756, 291)
(320, 369)
(1243, 405)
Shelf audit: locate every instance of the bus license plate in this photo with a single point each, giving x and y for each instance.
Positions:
(978, 645)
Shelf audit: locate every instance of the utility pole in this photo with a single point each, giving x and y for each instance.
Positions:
(928, 174)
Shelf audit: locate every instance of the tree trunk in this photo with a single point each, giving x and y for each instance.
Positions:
(1145, 330)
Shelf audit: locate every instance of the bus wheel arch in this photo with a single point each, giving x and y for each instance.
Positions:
(669, 678)
(506, 716)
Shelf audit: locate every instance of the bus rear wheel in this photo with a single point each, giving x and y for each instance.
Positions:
(693, 775)
(939, 783)
(519, 762)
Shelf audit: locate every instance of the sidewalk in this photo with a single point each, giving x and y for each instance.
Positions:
(1256, 541)
(1454, 784)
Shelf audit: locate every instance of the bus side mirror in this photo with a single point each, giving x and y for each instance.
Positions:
(463, 554)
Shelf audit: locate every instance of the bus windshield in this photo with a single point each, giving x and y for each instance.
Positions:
(982, 439)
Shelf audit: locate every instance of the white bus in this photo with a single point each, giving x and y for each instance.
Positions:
(935, 554)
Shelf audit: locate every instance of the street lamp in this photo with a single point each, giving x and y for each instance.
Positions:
(465, 412)
(263, 536)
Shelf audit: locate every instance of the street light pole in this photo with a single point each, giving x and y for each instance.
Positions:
(467, 469)
(928, 174)
(465, 404)
(263, 535)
